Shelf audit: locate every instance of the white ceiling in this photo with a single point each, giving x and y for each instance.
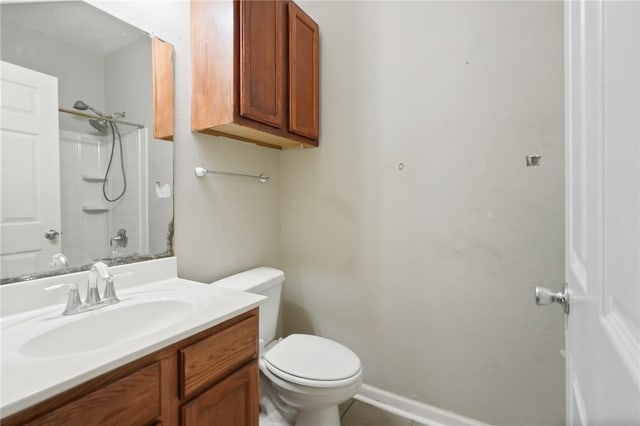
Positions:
(74, 22)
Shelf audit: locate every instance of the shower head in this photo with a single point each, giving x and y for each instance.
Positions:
(80, 105)
(99, 125)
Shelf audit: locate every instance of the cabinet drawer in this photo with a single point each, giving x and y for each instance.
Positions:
(212, 358)
(132, 400)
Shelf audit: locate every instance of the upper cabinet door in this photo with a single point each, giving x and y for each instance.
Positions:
(261, 61)
(303, 73)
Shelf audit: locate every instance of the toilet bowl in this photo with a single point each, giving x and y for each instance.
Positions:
(303, 377)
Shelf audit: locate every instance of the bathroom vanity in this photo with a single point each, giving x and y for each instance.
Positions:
(194, 367)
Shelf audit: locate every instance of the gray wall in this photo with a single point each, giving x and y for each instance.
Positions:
(427, 274)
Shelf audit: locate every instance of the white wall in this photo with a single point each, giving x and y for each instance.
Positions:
(428, 274)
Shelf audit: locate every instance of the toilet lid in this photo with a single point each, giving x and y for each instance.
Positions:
(314, 358)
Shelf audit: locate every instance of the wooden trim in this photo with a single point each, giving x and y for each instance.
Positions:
(249, 134)
(163, 89)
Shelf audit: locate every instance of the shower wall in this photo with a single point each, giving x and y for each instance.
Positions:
(129, 212)
(84, 234)
(88, 220)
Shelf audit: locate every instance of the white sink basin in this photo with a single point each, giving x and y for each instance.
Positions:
(43, 352)
(106, 327)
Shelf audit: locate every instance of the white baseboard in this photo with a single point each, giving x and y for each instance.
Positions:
(410, 409)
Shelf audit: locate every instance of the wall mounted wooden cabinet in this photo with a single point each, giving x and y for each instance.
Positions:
(255, 72)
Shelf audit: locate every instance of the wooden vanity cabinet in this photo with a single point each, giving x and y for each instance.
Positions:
(208, 379)
(255, 72)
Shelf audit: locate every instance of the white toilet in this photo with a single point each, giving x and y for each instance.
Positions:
(303, 376)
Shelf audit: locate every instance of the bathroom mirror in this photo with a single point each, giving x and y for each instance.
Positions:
(82, 175)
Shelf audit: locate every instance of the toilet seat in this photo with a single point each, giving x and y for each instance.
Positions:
(313, 361)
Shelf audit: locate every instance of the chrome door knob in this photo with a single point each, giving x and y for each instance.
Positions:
(51, 234)
(544, 296)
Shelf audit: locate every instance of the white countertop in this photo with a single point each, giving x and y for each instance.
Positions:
(27, 378)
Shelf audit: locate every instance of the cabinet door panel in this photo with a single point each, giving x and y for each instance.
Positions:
(232, 402)
(132, 400)
(303, 73)
(261, 57)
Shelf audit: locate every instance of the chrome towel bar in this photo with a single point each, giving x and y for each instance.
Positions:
(202, 172)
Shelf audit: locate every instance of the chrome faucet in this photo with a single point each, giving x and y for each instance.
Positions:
(99, 270)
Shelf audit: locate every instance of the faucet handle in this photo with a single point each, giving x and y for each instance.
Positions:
(109, 289)
(74, 303)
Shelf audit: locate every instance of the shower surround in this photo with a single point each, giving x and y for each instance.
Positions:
(89, 220)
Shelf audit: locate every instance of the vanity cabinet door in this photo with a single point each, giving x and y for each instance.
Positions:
(132, 400)
(232, 402)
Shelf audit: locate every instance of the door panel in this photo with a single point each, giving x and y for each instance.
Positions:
(303, 73)
(29, 155)
(261, 58)
(231, 402)
(602, 53)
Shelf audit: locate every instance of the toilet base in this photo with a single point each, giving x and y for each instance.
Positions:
(325, 416)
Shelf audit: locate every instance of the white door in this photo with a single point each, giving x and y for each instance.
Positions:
(602, 55)
(30, 175)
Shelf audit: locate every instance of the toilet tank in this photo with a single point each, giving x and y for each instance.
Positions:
(267, 282)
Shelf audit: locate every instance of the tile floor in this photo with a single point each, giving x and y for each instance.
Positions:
(356, 413)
